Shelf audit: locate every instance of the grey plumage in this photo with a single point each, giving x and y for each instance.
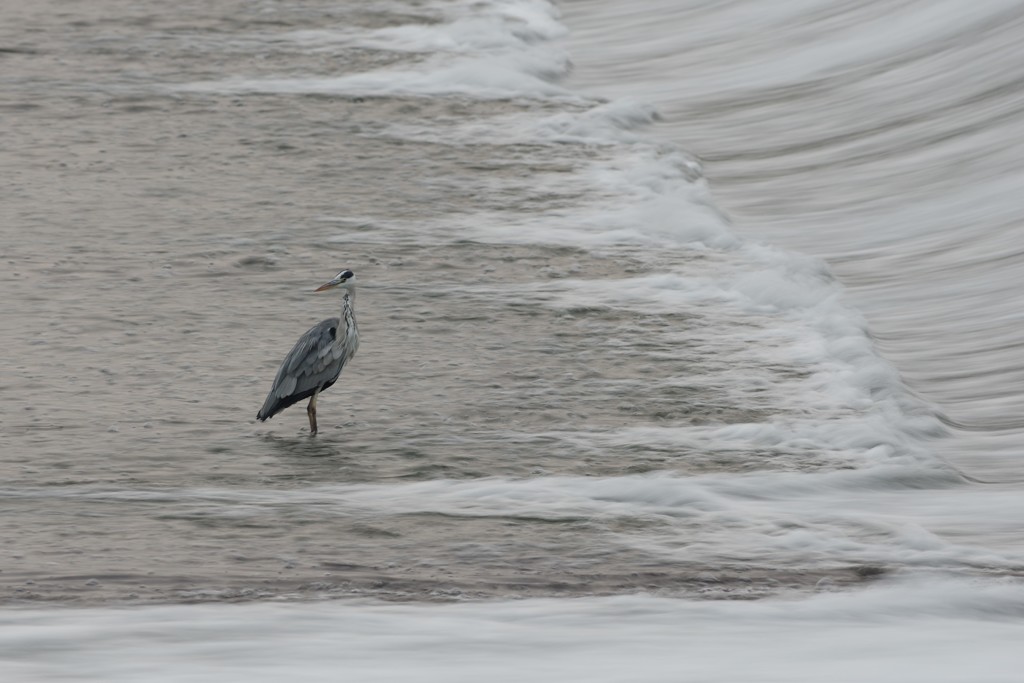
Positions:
(317, 359)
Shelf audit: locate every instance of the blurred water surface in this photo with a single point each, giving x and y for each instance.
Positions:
(884, 137)
(659, 301)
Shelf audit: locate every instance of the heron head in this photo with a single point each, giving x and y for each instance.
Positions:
(345, 279)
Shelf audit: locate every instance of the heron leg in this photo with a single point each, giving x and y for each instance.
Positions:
(311, 411)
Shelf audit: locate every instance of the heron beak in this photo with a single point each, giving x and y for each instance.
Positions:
(327, 285)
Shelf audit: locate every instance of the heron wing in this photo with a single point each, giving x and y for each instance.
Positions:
(313, 363)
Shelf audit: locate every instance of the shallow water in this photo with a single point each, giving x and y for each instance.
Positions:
(692, 341)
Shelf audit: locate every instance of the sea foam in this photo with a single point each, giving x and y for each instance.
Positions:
(939, 631)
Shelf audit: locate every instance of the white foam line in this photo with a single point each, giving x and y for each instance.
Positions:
(936, 631)
(498, 77)
(885, 514)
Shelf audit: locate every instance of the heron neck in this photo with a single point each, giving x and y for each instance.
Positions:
(348, 305)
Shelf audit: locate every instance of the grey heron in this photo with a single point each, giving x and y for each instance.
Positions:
(316, 360)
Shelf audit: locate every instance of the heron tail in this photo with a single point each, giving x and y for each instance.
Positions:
(271, 407)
